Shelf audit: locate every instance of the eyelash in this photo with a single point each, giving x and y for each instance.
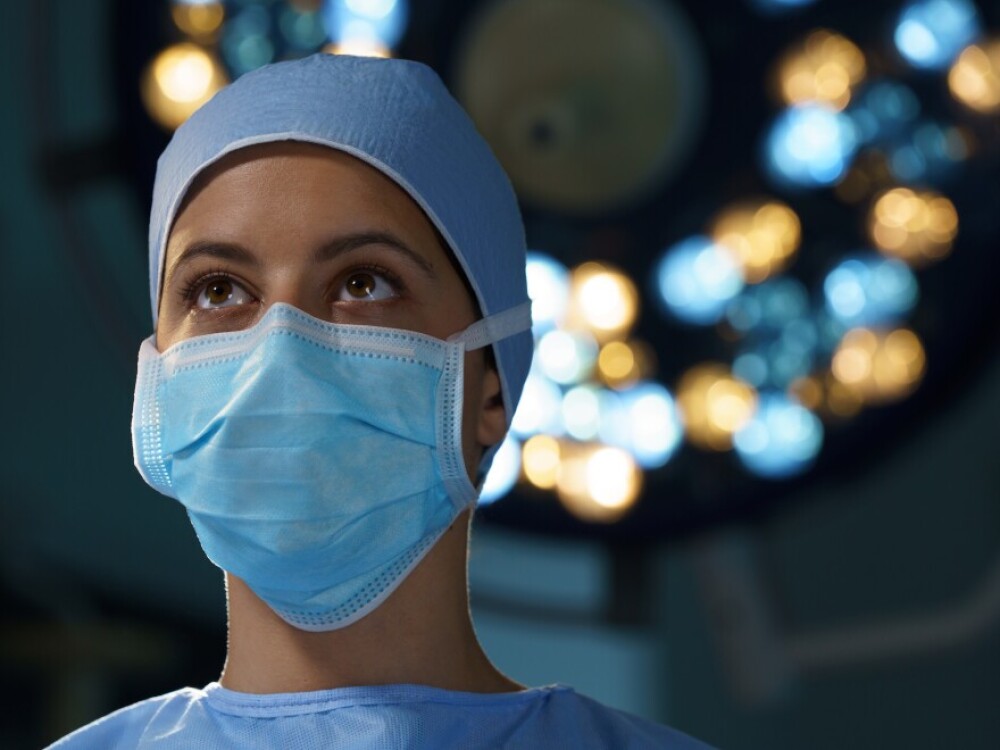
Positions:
(374, 268)
(189, 292)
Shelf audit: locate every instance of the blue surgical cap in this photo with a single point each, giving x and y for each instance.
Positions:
(397, 116)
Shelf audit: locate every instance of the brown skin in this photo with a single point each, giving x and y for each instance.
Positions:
(273, 207)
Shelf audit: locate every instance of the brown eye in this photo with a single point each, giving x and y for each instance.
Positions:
(361, 285)
(365, 285)
(221, 292)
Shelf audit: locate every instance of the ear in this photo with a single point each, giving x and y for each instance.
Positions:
(492, 424)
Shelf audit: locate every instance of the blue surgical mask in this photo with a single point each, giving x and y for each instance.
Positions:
(318, 462)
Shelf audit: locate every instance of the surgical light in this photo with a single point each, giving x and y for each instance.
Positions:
(198, 19)
(930, 153)
(714, 405)
(879, 366)
(540, 407)
(603, 299)
(548, 288)
(762, 235)
(809, 146)
(566, 357)
(769, 306)
(358, 46)
(931, 33)
(540, 458)
(782, 438)
(504, 471)
(870, 290)
(375, 23)
(777, 358)
(178, 81)
(918, 227)
(697, 278)
(779, 6)
(246, 42)
(598, 483)
(620, 364)
(302, 30)
(883, 111)
(824, 67)
(581, 412)
(654, 427)
(974, 78)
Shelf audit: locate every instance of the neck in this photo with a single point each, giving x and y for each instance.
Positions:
(422, 634)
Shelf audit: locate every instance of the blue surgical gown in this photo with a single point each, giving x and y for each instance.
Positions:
(373, 718)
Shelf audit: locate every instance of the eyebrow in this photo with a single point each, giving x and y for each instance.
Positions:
(328, 251)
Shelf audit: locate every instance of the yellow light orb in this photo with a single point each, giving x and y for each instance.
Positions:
(808, 391)
(198, 19)
(762, 236)
(974, 78)
(540, 456)
(178, 81)
(714, 405)
(878, 367)
(899, 364)
(824, 67)
(603, 300)
(841, 400)
(359, 47)
(598, 483)
(617, 364)
(917, 227)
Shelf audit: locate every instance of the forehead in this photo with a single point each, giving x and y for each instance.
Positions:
(309, 182)
(270, 171)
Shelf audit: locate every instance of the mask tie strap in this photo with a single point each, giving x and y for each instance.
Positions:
(495, 327)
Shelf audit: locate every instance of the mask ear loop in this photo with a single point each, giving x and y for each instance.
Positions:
(487, 331)
(493, 328)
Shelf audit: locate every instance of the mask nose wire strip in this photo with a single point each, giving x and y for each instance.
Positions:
(495, 327)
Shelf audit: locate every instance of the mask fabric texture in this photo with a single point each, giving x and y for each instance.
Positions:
(318, 462)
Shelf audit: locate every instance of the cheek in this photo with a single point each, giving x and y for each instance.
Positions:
(472, 398)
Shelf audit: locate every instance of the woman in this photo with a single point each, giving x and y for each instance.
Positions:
(342, 334)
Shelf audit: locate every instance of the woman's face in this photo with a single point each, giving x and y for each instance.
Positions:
(323, 231)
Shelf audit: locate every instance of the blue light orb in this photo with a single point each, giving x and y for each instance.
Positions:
(503, 473)
(775, 358)
(772, 7)
(931, 33)
(697, 279)
(870, 290)
(829, 328)
(540, 407)
(884, 110)
(246, 40)
(932, 153)
(768, 306)
(566, 357)
(781, 440)
(548, 288)
(643, 420)
(302, 31)
(809, 146)
(382, 21)
(751, 366)
(582, 412)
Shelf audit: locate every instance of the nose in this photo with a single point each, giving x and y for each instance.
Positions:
(299, 289)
